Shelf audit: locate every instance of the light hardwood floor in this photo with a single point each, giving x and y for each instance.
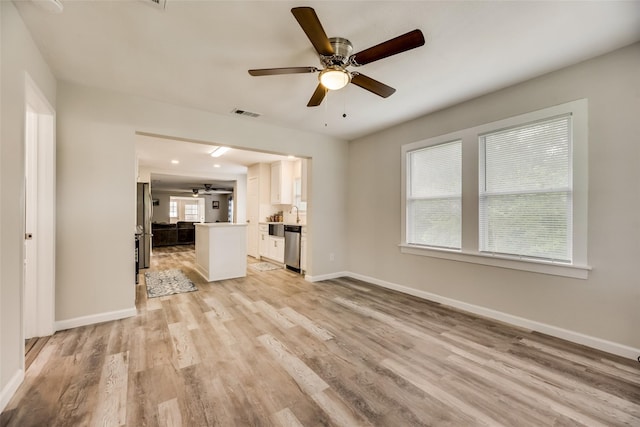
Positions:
(272, 349)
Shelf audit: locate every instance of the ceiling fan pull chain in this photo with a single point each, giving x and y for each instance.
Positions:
(326, 105)
(344, 107)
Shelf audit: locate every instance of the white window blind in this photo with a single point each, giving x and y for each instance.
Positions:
(526, 190)
(434, 185)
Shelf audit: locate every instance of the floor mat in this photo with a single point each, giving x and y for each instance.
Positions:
(167, 282)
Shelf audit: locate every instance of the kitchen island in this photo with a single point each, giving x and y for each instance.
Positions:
(221, 250)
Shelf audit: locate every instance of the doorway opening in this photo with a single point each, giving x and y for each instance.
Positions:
(177, 165)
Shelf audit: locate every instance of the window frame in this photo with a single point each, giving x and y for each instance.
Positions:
(485, 194)
(409, 199)
(173, 204)
(189, 216)
(470, 251)
(184, 201)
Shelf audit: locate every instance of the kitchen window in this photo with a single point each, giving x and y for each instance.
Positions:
(523, 193)
(297, 195)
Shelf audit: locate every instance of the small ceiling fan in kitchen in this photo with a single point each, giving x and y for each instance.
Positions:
(210, 189)
(335, 56)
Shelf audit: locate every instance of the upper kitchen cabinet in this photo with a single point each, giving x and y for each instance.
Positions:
(282, 182)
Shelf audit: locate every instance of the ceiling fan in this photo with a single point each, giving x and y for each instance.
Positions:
(335, 57)
(210, 189)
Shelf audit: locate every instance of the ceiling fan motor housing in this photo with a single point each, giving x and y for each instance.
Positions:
(342, 49)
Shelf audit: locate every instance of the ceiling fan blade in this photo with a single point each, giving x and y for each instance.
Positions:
(284, 70)
(312, 27)
(399, 44)
(318, 96)
(372, 85)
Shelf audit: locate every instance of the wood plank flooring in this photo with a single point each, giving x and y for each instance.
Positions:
(272, 349)
(32, 348)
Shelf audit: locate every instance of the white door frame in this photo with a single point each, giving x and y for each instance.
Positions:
(39, 311)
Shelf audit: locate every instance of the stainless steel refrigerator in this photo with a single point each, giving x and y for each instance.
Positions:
(144, 214)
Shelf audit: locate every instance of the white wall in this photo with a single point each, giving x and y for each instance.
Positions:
(96, 158)
(96, 202)
(161, 211)
(18, 55)
(220, 214)
(604, 307)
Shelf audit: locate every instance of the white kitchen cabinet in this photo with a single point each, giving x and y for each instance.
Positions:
(276, 248)
(303, 250)
(281, 182)
(263, 242)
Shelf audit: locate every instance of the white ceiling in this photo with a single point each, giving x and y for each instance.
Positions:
(181, 166)
(197, 53)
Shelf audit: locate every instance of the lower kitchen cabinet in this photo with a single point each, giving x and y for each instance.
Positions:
(263, 243)
(276, 248)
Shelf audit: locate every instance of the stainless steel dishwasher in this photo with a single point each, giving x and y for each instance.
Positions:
(292, 247)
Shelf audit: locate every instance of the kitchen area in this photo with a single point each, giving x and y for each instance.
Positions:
(269, 206)
(277, 195)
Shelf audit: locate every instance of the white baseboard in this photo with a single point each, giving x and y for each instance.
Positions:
(10, 389)
(565, 334)
(329, 276)
(95, 318)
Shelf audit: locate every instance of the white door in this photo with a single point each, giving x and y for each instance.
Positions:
(30, 237)
(39, 233)
(253, 212)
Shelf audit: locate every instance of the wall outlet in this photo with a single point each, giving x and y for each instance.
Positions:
(332, 257)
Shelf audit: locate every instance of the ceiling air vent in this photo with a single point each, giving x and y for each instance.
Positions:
(245, 113)
(160, 4)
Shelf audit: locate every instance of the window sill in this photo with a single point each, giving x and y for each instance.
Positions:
(536, 266)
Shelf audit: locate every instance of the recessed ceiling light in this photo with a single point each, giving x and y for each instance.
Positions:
(290, 157)
(175, 162)
(216, 165)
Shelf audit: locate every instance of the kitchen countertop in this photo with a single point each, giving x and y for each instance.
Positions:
(219, 224)
(283, 223)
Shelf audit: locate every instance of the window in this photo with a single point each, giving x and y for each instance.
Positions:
(191, 212)
(511, 193)
(525, 190)
(173, 210)
(434, 195)
(186, 209)
(297, 195)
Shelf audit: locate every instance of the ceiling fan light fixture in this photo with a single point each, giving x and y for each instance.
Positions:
(334, 78)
